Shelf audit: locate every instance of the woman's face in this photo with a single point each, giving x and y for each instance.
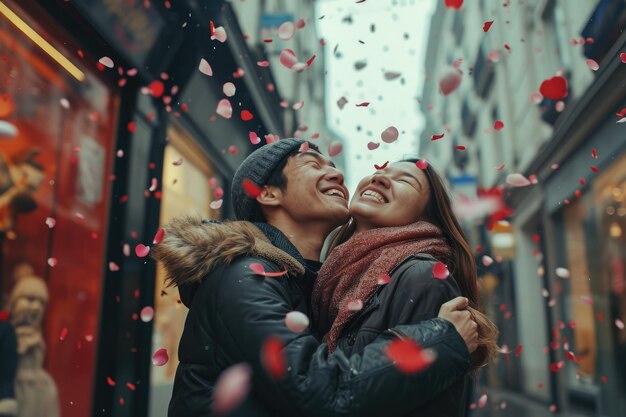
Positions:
(394, 196)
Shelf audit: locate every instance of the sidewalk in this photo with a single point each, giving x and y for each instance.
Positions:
(502, 403)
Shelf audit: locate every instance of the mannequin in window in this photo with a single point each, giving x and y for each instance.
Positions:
(35, 390)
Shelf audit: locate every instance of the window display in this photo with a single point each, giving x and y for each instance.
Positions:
(57, 130)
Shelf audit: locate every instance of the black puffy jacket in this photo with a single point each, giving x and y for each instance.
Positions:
(233, 311)
(411, 296)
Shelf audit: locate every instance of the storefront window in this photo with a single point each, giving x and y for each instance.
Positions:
(189, 188)
(57, 121)
(594, 295)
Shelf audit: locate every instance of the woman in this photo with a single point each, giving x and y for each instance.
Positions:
(400, 257)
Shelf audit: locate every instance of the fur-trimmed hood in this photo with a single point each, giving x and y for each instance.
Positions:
(191, 248)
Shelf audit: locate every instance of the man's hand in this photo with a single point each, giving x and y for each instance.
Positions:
(455, 311)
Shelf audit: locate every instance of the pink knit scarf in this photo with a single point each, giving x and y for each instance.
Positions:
(351, 273)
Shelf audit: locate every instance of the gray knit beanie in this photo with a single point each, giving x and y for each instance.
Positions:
(258, 167)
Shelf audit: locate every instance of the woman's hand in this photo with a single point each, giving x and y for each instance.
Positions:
(455, 311)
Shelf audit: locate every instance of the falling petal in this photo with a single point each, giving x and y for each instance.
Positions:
(498, 125)
(389, 135)
(156, 88)
(258, 269)
(215, 205)
(437, 137)
(593, 65)
(383, 279)
(517, 180)
(113, 267)
(63, 334)
(106, 61)
(301, 23)
(178, 162)
(142, 250)
(440, 271)
(205, 67)
(160, 357)
(64, 103)
(220, 34)
(500, 167)
(286, 31)
(487, 26)
(254, 138)
(518, 350)
(53, 262)
(296, 321)
(619, 324)
(288, 58)
(298, 105)
(391, 75)
(408, 356)
(422, 164)
(224, 109)
(231, 388)
(246, 115)
(263, 64)
(554, 88)
(273, 357)
(381, 167)
(622, 57)
(454, 4)
(334, 148)
(146, 314)
(50, 222)
(449, 81)
(342, 102)
(304, 147)
(229, 89)
(158, 236)
(364, 104)
(371, 145)
(487, 260)
(482, 401)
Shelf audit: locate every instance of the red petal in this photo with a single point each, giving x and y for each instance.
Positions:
(384, 279)
(310, 61)
(381, 167)
(518, 351)
(454, 4)
(158, 237)
(246, 115)
(460, 147)
(110, 381)
(142, 250)
(408, 356)
(364, 104)
(498, 125)
(258, 269)
(251, 189)
(160, 357)
(555, 88)
(231, 388)
(273, 357)
(622, 56)
(422, 164)
(156, 88)
(132, 127)
(440, 271)
(437, 137)
(487, 25)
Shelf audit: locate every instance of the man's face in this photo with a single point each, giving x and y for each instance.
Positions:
(315, 192)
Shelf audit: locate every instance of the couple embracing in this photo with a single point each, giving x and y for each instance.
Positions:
(399, 272)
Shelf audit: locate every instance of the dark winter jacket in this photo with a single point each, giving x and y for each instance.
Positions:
(411, 296)
(233, 311)
(8, 367)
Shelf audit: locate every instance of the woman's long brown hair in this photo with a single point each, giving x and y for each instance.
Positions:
(461, 262)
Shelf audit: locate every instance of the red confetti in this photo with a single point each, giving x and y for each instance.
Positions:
(555, 88)
(408, 356)
(246, 115)
(437, 137)
(487, 26)
(273, 357)
(440, 271)
(258, 269)
(156, 88)
(498, 125)
(158, 236)
(454, 4)
(381, 167)
(251, 189)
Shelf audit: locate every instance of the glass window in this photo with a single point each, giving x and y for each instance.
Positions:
(55, 167)
(189, 188)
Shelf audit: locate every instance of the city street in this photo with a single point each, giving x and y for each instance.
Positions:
(483, 147)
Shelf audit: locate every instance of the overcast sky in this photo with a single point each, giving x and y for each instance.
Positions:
(394, 36)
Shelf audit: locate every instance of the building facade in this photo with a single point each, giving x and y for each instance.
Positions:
(557, 288)
(111, 123)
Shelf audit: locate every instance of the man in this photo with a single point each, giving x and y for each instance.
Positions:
(240, 280)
